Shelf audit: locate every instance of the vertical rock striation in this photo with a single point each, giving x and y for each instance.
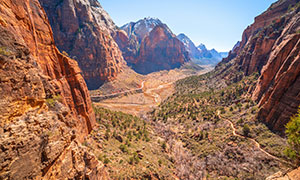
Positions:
(45, 108)
(84, 31)
(270, 47)
(161, 50)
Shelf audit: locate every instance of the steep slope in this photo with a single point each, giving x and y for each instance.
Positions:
(131, 36)
(84, 30)
(133, 39)
(45, 105)
(190, 46)
(270, 46)
(200, 54)
(159, 51)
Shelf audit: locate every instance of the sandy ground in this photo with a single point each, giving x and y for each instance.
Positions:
(157, 87)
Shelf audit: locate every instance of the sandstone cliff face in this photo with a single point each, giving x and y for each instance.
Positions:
(133, 34)
(159, 51)
(84, 30)
(278, 88)
(270, 47)
(45, 108)
(149, 45)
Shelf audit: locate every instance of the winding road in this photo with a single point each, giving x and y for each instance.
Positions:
(156, 96)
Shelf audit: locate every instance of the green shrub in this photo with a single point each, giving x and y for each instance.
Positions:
(134, 159)
(246, 130)
(164, 146)
(159, 162)
(293, 135)
(51, 101)
(106, 161)
(4, 51)
(123, 148)
(240, 121)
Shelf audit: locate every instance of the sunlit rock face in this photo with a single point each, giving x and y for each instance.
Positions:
(84, 30)
(270, 46)
(45, 108)
(149, 46)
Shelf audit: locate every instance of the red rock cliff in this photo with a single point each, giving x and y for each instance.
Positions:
(149, 45)
(270, 46)
(45, 108)
(83, 29)
(159, 51)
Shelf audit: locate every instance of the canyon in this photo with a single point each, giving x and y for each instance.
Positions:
(84, 99)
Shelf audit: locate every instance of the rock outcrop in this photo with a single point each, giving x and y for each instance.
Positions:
(149, 45)
(84, 31)
(45, 108)
(270, 47)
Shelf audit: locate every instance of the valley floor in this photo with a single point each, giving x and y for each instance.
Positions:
(155, 87)
(195, 127)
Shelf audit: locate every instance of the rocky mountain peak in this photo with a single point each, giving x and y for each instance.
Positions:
(200, 54)
(149, 45)
(185, 40)
(141, 28)
(202, 47)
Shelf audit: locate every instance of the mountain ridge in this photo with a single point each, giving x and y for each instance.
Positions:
(200, 54)
(142, 55)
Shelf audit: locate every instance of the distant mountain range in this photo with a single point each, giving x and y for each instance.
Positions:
(201, 55)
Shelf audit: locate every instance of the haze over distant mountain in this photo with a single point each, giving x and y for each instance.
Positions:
(148, 45)
(200, 54)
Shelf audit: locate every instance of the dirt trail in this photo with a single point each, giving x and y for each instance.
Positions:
(154, 89)
(155, 95)
(234, 130)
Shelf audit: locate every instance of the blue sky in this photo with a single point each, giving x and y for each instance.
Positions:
(218, 24)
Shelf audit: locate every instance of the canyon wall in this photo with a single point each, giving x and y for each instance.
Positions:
(84, 31)
(270, 47)
(45, 108)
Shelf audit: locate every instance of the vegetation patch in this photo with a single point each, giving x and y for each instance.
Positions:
(200, 113)
(129, 148)
(293, 134)
(51, 101)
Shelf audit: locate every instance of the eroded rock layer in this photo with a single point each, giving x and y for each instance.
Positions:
(45, 108)
(270, 47)
(84, 31)
(161, 50)
(149, 45)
